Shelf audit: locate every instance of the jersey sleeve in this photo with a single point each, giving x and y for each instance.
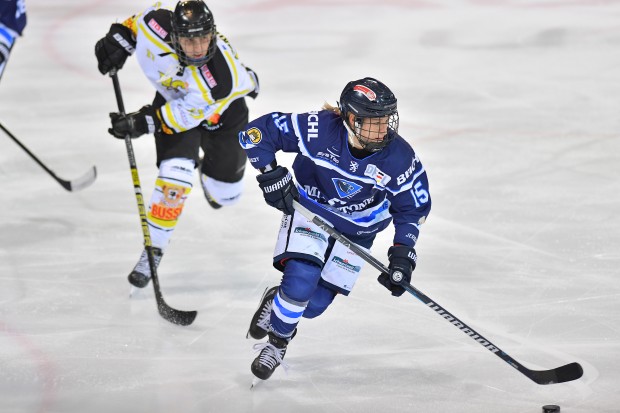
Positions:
(410, 204)
(266, 135)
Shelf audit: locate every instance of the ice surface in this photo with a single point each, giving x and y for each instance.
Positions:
(513, 106)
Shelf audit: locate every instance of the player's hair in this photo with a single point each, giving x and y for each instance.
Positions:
(335, 109)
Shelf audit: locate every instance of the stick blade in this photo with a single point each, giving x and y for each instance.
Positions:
(568, 372)
(179, 317)
(80, 183)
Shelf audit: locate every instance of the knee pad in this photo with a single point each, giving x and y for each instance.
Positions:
(173, 185)
(223, 193)
(320, 300)
(300, 279)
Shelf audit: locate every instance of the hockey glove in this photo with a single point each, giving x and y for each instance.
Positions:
(402, 263)
(134, 124)
(113, 49)
(278, 189)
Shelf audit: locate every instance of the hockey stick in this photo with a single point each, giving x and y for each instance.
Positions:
(75, 185)
(568, 372)
(175, 316)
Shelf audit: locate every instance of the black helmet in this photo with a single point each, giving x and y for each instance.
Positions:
(192, 18)
(369, 98)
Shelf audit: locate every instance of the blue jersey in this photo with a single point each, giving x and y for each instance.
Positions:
(360, 197)
(13, 15)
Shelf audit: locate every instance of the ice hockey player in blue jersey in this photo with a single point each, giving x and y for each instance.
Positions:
(355, 171)
(12, 24)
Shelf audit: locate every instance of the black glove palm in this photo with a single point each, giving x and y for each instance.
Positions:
(278, 189)
(402, 263)
(113, 49)
(134, 124)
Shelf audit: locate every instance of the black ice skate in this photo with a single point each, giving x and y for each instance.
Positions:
(270, 357)
(141, 274)
(260, 325)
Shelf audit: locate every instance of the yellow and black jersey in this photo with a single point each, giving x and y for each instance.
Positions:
(193, 94)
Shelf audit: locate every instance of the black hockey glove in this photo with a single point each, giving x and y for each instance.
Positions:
(402, 263)
(278, 189)
(134, 124)
(113, 49)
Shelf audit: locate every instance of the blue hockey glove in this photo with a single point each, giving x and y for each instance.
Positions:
(402, 263)
(113, 49)
(134, 124)
(278, 189)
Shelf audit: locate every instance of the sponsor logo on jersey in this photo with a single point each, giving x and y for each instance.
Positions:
(313, 192)
(157, 28)
(349, 209)
(380, 177)
(330, 156)
(345, 265)
(309, 233)
(402, 178)
(353, 167)
(208, 76)
(346, 189)
(254, 135)
(365, 91)
(313, 125)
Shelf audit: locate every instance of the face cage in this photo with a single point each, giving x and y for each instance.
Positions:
(186, 61)
(373, 146)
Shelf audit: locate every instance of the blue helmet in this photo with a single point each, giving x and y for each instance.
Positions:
(192, 18)
(369, 98)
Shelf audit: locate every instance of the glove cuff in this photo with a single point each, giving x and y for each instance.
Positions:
(403, 252)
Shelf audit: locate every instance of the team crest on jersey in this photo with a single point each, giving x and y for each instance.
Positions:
(380, 177)
(172, 84)
(372, 96)
(346, 189)
(157, 28)
(255, 135)
(208, 76)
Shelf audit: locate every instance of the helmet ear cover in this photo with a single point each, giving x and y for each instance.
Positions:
(369, 98)
(190, 19)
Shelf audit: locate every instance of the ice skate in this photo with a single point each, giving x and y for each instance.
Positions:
(141, 273)
(271, 356)
(259, 326)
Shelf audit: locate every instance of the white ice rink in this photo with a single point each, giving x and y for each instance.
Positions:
(512, 105)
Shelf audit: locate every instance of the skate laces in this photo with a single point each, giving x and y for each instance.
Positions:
(271, 356)
(264, 320)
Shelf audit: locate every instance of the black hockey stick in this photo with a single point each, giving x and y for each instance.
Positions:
(568, 372)
(175, 316)
(75, 185)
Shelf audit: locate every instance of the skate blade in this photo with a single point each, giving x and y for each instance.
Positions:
(133, 291)
(255, 381)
